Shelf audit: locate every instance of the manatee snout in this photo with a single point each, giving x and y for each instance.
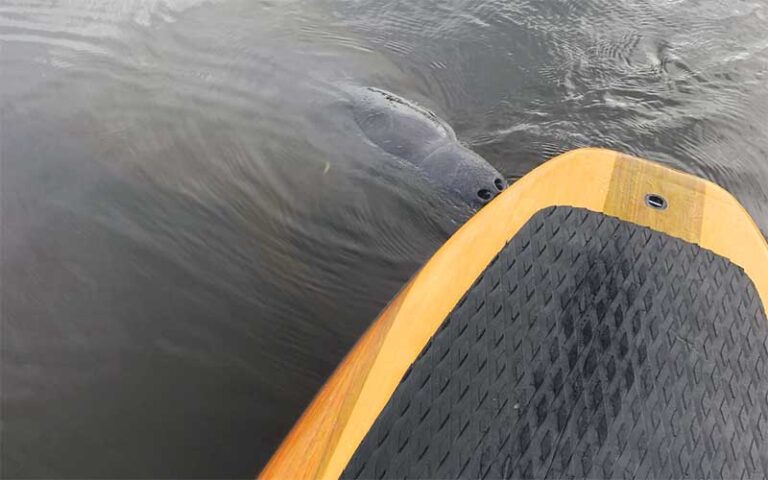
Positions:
(463, 173)
(418, 136)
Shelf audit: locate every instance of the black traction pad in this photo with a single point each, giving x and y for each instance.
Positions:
(589, 348)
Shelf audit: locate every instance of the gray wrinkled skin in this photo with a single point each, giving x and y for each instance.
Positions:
(419, 137)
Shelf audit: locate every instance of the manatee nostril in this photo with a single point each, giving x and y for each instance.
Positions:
(484, 194)
(499, 184)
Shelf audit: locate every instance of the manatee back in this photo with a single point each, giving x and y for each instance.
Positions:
(398, 126)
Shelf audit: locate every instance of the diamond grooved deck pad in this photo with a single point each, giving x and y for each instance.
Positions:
(590, 347)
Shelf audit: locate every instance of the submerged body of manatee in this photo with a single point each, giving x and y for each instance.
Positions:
(422, 140)
(204, 203)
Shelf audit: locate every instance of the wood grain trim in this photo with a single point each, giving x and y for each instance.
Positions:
(730, 231)
(306, 450)
(633, 180)
(327, 435)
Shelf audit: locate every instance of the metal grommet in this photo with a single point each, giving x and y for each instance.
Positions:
(656, 201)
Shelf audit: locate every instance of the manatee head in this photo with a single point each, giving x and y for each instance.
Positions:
(418, 136)
(463, 173)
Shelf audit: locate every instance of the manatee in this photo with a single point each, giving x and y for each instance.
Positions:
(418, 136)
